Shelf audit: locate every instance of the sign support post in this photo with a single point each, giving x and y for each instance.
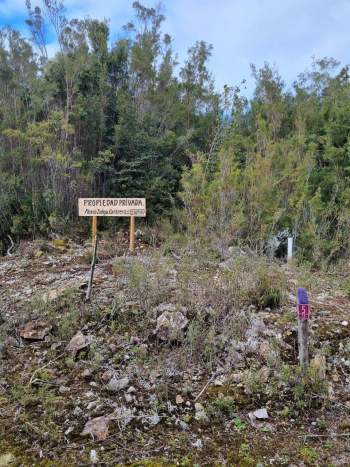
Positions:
(132, 234)
(94, 229)
(303, 328)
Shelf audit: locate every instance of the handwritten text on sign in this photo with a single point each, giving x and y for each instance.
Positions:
(117, 207)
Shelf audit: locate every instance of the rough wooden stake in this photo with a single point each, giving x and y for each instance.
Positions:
(303, 328)
(93, 263)
(303, 343)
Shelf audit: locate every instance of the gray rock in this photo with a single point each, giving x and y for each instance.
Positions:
(170, 325)
(78, 342)
(198, 444)
(116, 385)
(261, 414)
(124, 415)
(153, 419)
(200, 414)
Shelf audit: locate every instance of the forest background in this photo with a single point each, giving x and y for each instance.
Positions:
(125, 119)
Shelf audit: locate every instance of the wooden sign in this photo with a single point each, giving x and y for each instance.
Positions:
(112, 207)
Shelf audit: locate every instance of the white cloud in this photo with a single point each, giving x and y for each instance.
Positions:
(52, 49)
(285, 32)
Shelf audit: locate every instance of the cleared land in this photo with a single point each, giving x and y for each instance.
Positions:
(179, 346)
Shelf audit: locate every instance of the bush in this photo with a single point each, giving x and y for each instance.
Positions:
(225, 405)
(269, 287)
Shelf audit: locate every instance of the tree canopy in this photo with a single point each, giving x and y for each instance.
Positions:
(124, 118)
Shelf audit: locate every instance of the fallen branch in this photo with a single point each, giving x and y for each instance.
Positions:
(42, 368)
(205, 387)
(331, 435)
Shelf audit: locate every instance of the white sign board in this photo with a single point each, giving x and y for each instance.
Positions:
(112, 207)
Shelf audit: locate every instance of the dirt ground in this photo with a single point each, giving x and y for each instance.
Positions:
(157, 401)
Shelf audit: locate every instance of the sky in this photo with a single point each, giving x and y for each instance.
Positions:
(285, 33)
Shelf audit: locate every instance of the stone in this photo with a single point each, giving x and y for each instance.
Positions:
(153, 419)
(256, 328)
(264, 374)
(170, 325)
(200, 414)
(219, 381)
(179, 399)
(237, 377)
(106, 376)
(165, 307)
(78, 342)
(77, 411)
(198, 444)
(183, 425)
(93, 457)
(128, 398)
(124, 415)
(86, 373)
(261, 414)
(257, 415)
(116, 385)
(97, 428)
(35, 330)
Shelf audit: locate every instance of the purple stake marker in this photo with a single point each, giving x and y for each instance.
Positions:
(303, 305)
(302, 297)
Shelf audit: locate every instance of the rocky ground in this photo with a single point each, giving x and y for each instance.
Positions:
(185, 355)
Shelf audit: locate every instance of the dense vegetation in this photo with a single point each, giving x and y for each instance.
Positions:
(125, 119)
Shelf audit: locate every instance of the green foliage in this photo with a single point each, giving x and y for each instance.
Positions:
(309, 455)
(269, 288)
(282, 166)
(224, 405)
(239, 424)
(120, 120)
(96, 119)
(308, 388)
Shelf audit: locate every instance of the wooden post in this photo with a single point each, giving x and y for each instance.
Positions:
(132, 233)
(94, 229)
(303, 328)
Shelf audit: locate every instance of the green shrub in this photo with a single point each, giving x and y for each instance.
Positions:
(225, 405)
(269, 287)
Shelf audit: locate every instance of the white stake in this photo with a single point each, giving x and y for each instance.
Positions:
(290, 249)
